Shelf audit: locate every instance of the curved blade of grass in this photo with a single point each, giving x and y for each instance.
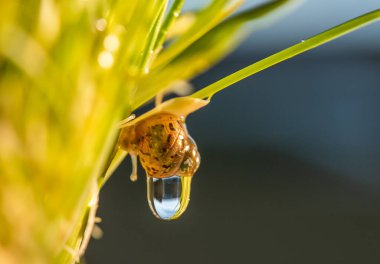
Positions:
(290, 52)
(206, 20)
(224, 38)
(210, 48)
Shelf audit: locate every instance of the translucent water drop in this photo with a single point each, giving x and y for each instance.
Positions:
(168, 197)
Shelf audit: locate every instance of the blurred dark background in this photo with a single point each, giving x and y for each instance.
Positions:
(290, 159)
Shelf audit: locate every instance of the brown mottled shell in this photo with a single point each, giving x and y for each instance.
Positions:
(163, 145)
(191, 159)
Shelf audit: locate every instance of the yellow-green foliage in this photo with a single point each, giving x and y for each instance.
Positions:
(69, 71)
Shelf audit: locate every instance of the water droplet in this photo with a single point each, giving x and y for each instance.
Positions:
(168, 197)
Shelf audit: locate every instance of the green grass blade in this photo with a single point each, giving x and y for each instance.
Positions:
(290, 52)
(205, 20)
(221, 40)
(148, 51)
(211, 47)
(169, 19)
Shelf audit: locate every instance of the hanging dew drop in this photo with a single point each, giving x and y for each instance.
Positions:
(168, 197)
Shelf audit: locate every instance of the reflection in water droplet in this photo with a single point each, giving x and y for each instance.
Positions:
(168, 197)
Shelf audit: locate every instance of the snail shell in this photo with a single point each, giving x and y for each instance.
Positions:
(163, 145)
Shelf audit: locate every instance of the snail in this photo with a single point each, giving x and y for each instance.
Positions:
(168, 154)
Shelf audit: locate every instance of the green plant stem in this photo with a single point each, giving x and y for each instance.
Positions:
(173, 13)
(152, 37)
(288, 53)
